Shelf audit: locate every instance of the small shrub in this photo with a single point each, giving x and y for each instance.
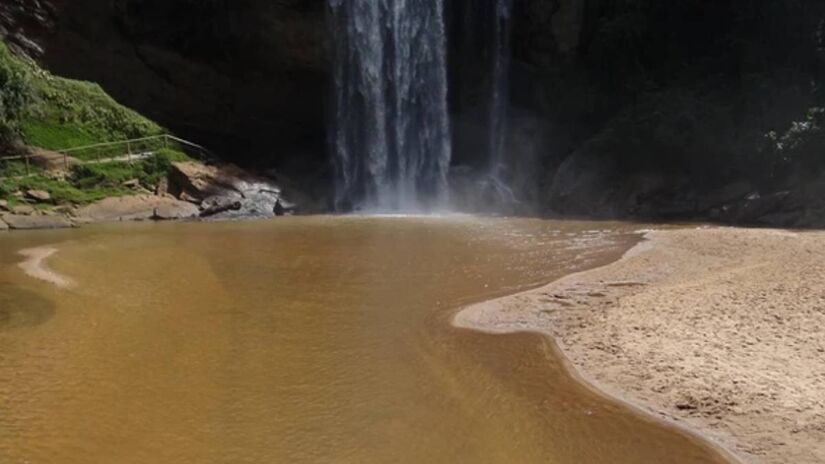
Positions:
(174, 156)
(152, 170)
(799, 148)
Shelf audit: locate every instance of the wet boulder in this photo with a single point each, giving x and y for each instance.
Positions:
(217, 205)
(226, 191)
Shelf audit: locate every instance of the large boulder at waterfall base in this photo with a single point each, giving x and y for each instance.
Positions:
(198, 181)
(214, 206)
(226, 191)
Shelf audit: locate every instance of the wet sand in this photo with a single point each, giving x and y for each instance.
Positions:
(720, 330)
(34, 266)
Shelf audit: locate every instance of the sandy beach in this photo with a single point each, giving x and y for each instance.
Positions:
(719, 330)
(35, 266)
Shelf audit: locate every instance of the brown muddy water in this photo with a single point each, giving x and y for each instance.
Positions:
(303, 340)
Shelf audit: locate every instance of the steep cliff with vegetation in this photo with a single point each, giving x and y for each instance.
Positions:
(244, 77)
(56, 113)
(41, 112)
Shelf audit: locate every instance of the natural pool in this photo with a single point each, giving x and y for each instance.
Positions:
(308, 340)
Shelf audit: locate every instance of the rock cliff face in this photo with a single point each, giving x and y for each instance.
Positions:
(654, 107)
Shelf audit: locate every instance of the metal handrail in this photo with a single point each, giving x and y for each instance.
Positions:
(204, 152)
(110, 144)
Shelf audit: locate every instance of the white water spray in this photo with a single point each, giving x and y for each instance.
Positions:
(391, 131)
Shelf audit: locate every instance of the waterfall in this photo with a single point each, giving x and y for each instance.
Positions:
(482, 47)
(500, 95)
(390, 132)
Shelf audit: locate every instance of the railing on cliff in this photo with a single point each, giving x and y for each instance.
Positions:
(124, 151)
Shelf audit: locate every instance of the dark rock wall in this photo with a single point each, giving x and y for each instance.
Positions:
(26, 25)
(663, 99)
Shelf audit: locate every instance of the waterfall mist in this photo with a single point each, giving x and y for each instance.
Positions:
(390, 128)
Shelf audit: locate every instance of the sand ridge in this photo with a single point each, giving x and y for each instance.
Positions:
(35, 266)
(717, 329)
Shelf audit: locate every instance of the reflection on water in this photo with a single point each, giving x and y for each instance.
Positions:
(304, 340)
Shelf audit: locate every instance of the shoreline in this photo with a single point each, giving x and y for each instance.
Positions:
(34, 266)
(624, 330)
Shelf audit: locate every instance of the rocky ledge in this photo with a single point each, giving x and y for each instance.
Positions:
(192, 191)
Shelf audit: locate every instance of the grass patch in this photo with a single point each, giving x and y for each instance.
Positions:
(72, 113)
(15, 169)
(88, 183)
(173, 156)
(55, 136)
(62, 192)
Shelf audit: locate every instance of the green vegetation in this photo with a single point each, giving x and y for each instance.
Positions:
(16, 96)
(72, 113)
(90, 182)
(55, 137)
(46, 111)
(110, 175)
(56, 113)
(14, 168)
(62, 192)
